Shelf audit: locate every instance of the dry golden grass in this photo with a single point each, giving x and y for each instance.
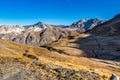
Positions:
(71, 59)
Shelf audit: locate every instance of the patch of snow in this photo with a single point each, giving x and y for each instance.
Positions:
(37, 29)
(5, 30)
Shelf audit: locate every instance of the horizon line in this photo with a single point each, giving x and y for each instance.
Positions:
(32, 22)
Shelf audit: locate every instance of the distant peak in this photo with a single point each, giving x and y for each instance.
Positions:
(85, 19)
(39, 23)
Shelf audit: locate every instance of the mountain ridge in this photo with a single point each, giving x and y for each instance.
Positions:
(61, 52)
(41, 33)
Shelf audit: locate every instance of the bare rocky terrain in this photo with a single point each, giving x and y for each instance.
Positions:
(40, 33)
(47, 52)
(17, 70)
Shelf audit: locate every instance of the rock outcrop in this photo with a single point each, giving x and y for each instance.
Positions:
(114, 77)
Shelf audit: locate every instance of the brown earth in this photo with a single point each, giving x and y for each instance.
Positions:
(76, 54)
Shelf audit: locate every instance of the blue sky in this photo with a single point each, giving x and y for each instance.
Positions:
(24, 12)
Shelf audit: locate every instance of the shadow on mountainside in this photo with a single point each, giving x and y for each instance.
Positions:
(100, 47)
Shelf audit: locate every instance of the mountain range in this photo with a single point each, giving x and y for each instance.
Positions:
(40, 33)
(88, 49)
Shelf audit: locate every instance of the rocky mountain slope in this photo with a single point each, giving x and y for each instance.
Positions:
(102, 42)
(109, 28)
(65, 52)
(87, 24)
(59, 60)
(33, 35)
(107, 38)
(40, 33)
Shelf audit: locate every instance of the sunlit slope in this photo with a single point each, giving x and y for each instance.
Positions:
(80, 48)
(64, 52)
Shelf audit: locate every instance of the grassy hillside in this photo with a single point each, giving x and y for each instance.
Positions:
(63, 59)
